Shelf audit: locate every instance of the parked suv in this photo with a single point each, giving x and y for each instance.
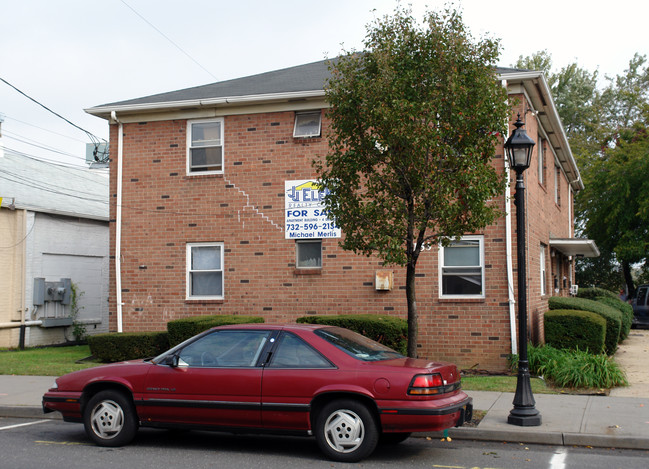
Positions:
(641, 306)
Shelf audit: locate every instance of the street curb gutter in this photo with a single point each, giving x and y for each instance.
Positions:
(544, 438)
(606, 441)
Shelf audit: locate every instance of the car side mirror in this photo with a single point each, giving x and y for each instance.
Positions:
(171, 360)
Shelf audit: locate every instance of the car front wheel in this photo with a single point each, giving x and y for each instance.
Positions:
(110, 419)
(346, 431)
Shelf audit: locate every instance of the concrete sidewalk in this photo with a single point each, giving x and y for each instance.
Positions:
(604, 421)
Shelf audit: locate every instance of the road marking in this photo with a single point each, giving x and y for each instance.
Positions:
(9, 427)
(63, 443)
(558, 461)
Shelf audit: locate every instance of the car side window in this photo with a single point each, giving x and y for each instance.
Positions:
(225, 349)
(293, 352)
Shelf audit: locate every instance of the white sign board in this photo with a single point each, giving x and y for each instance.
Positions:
(306, 216)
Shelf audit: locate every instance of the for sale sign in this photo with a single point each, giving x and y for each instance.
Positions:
(306, 216)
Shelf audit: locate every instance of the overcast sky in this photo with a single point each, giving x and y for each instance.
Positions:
(74, 54)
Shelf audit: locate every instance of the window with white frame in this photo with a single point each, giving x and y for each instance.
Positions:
(307, 124)
(462, 268)
(557, 181)
(205, 270)
(205, 146)
(308, 254)
(542, 273)
(541, 158)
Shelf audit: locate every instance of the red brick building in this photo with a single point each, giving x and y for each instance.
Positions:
(198, 209)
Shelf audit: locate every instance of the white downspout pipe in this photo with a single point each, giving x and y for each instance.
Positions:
(118, 222)
(508, 246)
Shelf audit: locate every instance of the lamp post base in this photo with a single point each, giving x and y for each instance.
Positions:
(524, 413)
(524, 417)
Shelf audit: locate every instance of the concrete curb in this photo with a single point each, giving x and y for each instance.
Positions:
(27, 412)
(544, 438)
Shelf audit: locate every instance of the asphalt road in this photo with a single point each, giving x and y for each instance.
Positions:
(29, 444)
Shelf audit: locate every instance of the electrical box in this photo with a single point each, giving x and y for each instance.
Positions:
(39, 291)
(384, 280)
(60, 291)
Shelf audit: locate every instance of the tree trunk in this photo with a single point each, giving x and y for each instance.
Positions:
(412, 309)
(626, 271)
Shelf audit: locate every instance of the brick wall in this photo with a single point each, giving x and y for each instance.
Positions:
(164, 209)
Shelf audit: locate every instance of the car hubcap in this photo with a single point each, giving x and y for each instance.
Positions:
(344, 431)
(107, 419)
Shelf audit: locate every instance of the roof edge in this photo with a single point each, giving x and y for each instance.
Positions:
(105, 111)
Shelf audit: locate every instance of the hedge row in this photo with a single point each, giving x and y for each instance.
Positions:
(594, 293)
(185, 328)
(387, 330)
(612, 316)
(611, 299)
(575, 330)
(114, 346)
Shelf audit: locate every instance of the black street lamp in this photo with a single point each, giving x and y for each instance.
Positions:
(519, 151)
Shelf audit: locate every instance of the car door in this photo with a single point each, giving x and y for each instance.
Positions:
(641, 305)
(294, 373)
(213, 381)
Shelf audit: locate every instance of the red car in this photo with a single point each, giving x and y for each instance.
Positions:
(350, 392)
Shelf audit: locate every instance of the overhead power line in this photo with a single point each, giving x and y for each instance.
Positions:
(168, 39)
(93, 138)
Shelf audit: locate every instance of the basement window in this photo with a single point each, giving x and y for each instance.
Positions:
(308, 254)
(307, 124)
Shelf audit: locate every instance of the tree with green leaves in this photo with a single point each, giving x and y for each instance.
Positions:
(607, 129)
(415, 118)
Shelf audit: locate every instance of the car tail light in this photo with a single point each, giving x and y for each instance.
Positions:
(425, 385)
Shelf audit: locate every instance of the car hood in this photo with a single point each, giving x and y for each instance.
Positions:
(119, 372)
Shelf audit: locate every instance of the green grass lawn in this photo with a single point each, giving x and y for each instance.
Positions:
(502, 384)
(48, 361)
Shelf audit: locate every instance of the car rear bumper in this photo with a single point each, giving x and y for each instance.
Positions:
(419, 416)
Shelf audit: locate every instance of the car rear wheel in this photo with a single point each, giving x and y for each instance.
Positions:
(110, 419)
(346, 431)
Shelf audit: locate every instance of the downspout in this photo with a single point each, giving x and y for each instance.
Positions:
(23, 311)
(118, 222)
(508, 246)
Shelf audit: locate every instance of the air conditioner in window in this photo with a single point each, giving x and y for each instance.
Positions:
(574, 289)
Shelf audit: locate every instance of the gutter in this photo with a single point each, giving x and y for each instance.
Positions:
(105, 110)
(118, 222)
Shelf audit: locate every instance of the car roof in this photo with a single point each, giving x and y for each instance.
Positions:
(275, 327)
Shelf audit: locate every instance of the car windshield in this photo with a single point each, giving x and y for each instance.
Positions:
(356, 345)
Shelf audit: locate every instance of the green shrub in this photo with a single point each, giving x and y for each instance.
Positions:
(574, 329)
(574, 368)
(613, 316)
(387, 330)
(627, 313)
(593, 293)
(116, 347)
(182, 329)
